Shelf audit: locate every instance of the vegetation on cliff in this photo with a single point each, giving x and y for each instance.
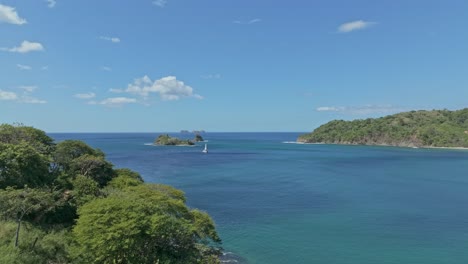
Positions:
(166, 140)
(436, 128)
(65, 203)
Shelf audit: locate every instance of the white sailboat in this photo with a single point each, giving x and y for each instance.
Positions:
(205, 150)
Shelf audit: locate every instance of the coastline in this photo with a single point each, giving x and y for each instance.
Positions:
(376, 145)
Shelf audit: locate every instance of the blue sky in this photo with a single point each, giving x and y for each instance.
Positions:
(147, 66)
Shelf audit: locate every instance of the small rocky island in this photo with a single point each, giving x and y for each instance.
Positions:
(436, 128)
(198, 138)
(166, 140)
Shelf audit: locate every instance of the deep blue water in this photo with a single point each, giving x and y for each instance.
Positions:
(277, 203)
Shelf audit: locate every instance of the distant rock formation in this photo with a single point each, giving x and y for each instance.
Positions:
(198, 138)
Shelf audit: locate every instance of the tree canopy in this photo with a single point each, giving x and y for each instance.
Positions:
(78, 209)
(436, 128)
(146, 225)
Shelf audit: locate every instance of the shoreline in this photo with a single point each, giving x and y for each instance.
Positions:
(376, 145)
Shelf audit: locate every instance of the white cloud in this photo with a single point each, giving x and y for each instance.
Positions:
(32, 100)
(4, 95)
(23, 67)
(105, 68)
(44, 68)
(8, 15)
(111, 39)
(252, 21)
(362, 110)
(211, 76)
(160, 3)
(354, 25)
(116, 101)
(327, 109)
(168, 88)
(25, 47)
(51, 3)
(255, 20)
(25, 97)
(85, 95)
(112, 90)
(28, 89)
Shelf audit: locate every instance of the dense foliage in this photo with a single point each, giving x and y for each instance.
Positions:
(436, 128)
(167, 140)
(65, 203)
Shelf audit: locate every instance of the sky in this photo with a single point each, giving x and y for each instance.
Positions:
(231, 65)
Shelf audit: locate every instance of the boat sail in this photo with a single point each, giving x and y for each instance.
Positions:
(205, 150)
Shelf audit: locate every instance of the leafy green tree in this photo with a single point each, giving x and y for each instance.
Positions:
(129, 173)
(94, 167)
(145, 224)
(85, 189)
(122, 182)
(10, 134)
(68, 150)
(36, 247)
(21, 164)
(125, 178)
(25, 204)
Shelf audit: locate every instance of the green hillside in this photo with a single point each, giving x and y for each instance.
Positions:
(436, 128)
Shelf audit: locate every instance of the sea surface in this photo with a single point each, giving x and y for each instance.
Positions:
(276, 202)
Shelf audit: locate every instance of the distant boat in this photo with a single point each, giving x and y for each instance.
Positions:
(205, 150)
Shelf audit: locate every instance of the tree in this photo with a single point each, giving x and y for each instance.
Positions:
(37, 246)
(24, 204)
(129, 173)
(85, 189)
(145, 224)
(125, 178)
(94, 167)
(68, 150)
(35, 138)
(21, 164)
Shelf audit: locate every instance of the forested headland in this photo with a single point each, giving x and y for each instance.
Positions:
(65, 203)
(436, 128)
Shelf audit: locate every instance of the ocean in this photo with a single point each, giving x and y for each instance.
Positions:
(275, 202)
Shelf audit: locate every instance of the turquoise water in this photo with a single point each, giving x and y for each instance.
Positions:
(277, 203)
